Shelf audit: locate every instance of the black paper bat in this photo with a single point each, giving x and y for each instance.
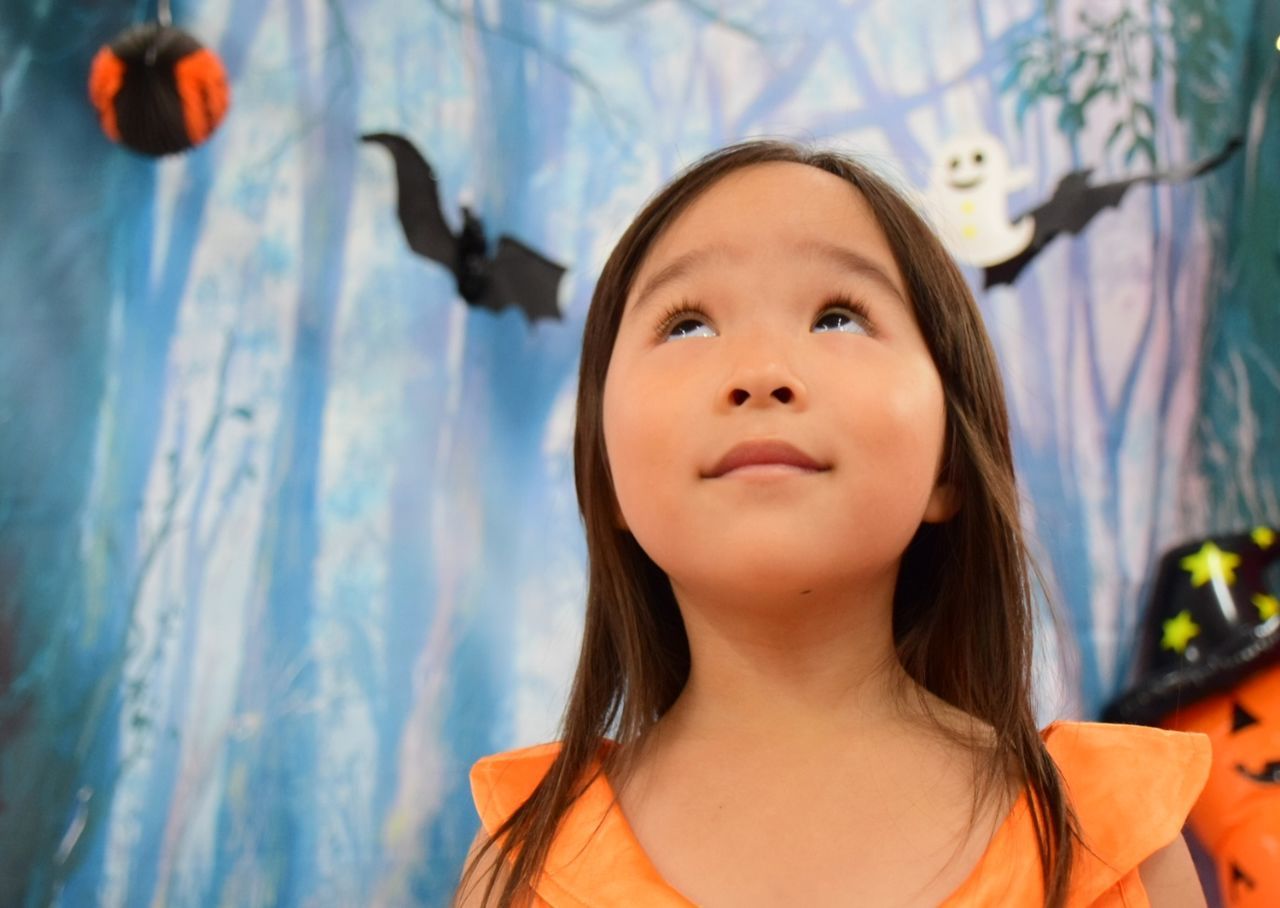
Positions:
(1075, 203)
(516, 275)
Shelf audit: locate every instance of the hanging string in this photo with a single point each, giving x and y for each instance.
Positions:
(164, 15)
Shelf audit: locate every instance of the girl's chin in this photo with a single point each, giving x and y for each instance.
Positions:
(775, 578)
(776, 560)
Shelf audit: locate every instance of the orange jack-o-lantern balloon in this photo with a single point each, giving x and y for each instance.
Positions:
(1238, 815)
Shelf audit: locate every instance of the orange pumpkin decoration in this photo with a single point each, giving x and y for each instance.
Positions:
(1238, 814)
(1210, 662)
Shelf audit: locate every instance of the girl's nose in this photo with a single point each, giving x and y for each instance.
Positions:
(782, 393)
(764, 383)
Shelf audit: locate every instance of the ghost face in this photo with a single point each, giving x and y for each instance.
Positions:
(971, 163)
(771, 314)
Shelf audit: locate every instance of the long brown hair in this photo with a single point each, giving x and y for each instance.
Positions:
(974, 653)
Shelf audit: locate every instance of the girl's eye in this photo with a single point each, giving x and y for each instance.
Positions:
(848, 316)
(690, 327)
(684, 320)
(690, 320)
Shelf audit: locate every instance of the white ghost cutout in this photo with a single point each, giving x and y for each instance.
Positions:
(969, 188)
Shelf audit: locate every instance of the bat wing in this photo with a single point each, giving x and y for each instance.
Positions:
(520, 276)
(1202, 167)
(1075, 203)
(418, 200)
(1072, 206)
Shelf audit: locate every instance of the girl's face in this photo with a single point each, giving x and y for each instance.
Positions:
(772, 309)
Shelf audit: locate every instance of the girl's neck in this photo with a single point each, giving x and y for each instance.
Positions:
(806, 671)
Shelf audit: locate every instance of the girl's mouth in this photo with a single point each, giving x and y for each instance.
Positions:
(765, 452)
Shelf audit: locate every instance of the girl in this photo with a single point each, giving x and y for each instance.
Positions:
(805, 671)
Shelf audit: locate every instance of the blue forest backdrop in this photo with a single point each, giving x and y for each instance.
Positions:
(288, 536)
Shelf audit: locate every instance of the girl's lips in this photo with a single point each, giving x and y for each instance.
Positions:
(764, 451)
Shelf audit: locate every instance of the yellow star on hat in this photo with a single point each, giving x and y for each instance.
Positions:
(1211, 563)
(1268, 606)
(1263, 536)
(1178, 632)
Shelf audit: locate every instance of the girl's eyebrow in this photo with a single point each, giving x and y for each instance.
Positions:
(680, 267)
(847, 259)
(854, 262)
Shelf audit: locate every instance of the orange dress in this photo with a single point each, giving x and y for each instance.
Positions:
(1131, 787)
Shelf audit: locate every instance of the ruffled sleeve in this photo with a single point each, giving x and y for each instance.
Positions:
(594, 859)
(1132, 788)
(501, 782)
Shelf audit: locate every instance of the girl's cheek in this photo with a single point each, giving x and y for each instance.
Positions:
(895, 401)
(915, 399)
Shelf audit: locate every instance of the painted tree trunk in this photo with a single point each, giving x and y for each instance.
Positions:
(267, 836)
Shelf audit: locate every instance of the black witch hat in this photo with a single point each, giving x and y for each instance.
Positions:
(1213, 619)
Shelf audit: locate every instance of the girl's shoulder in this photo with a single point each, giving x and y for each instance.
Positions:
(1107, 768)
(1131, 787)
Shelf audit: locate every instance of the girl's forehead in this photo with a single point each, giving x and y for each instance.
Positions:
(762, 201)
(774, 209)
